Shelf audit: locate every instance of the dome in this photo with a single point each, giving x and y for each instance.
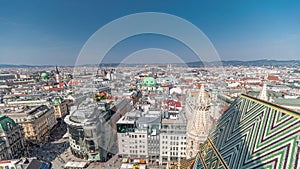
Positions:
(149, 81)
(6, 123)
(44, 74)
(57, 101)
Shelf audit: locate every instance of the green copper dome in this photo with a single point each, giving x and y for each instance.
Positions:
(57, 100)
(44, 76)
(6, 123)
(149, 81)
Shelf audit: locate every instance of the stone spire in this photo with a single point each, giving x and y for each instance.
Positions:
(199, 116)
(263, 94)
(198, 124)
(244, 90)
(201, 96)
(57, 76)
(56, 70)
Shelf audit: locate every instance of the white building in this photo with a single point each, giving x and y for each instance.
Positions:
(172, 137)
(138, 135)
(131, 142)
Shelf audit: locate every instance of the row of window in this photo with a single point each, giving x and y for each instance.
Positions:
(173, 153)
(173, 148)
(135, 142)
(135, 151)
(174, 143)
(141, 146)
(174, 137)
(137, 136)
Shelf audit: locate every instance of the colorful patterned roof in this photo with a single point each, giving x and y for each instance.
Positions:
(252, 133)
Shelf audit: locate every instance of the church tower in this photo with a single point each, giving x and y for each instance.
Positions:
(57, 76)
(199, 124)
(263, 94)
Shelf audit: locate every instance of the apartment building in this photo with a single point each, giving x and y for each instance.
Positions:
(12, 143)
(37, 122)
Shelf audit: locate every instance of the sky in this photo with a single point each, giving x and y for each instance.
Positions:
(53, 32)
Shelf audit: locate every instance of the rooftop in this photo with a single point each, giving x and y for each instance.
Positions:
(247, 119)
(70, 164)
(6, 123)
(287, 102)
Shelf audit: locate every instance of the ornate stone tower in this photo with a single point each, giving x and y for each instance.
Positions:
(263, 94)
(199, 123)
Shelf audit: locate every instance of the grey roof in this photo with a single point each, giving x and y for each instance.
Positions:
(35, 164)
(149, 120)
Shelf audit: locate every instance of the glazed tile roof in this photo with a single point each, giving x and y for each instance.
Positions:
(252, 133)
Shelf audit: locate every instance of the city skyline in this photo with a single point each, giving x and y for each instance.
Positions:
(35, 33)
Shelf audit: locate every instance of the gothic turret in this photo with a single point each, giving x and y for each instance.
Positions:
(199, 124)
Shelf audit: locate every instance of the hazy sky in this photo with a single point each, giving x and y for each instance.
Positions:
(53, 32)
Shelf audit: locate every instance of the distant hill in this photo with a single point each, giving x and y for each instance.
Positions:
(24, 66)
(264, 62)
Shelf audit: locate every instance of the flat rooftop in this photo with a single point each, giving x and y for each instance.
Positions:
(75, 164)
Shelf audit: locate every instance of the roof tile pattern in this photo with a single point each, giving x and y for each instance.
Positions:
(252, 133)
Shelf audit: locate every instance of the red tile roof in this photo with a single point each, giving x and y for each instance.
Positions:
(273, 78)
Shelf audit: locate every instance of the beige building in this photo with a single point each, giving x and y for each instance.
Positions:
(60, 107)
(37, 122)
(199, 122)
(12, 144)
